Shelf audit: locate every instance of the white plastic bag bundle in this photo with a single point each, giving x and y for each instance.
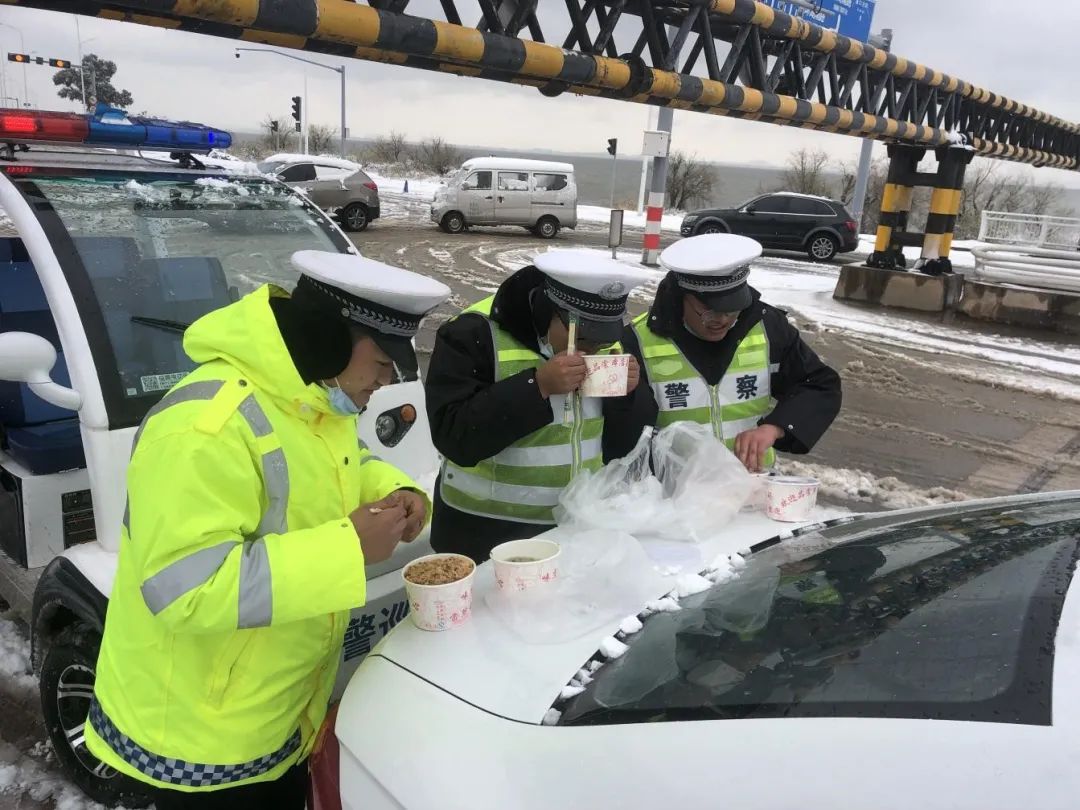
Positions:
(621, 496)
(603, 576)
(693, 487)
(704, 480)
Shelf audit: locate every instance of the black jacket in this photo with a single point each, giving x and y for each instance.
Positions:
(806, 390)
(473, 417)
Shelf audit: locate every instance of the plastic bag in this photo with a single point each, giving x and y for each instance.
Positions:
(621, 496)
(704, 480)
(603, 576)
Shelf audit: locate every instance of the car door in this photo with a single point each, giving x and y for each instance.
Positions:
(513, 199)
(805, 217)
(478, 198)
(299, 175)
(330, 188)
(760, 219)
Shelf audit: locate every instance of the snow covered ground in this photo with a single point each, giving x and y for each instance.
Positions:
(960, 255)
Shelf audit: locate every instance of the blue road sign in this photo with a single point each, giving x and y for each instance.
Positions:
(851, 18)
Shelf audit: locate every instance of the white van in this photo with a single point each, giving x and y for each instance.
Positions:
(537, 194)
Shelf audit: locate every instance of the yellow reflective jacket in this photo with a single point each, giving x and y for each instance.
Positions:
(237, 568)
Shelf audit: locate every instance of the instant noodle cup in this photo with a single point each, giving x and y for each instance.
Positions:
(440, 590)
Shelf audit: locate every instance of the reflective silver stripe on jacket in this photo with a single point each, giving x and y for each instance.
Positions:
(255, 583)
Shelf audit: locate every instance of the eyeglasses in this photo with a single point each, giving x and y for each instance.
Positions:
(707, 315)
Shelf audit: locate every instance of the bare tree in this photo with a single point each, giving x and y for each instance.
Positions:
(321, 139)
(392, 148)
(277, 134)
(849, 172)
(990, 186)
(436, 155)
(690, 182)
(808, 173)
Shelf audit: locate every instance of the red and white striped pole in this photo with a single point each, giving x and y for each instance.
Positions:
(654, 213)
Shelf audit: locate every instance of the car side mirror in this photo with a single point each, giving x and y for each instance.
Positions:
(750, 209)
(28, 358)
(467, 187)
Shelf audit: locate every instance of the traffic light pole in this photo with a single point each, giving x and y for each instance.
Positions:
(613, 148)
(339, 70)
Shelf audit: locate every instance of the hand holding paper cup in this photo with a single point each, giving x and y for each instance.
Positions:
(606, 375)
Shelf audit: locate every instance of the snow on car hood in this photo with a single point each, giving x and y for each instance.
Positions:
(485, 663)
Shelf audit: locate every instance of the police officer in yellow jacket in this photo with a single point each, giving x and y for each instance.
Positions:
(252, 511)
(714, 353)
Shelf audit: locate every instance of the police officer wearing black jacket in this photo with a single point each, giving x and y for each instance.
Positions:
(713, 352)
(503, 403)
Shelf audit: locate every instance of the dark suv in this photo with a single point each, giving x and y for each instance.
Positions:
(783, 221)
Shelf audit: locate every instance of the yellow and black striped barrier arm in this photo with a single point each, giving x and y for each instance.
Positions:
(345, 28)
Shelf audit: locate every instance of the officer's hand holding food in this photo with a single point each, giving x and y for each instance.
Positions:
(561, 374)
(415, 512)
(379, 526)
(633, 375)
(751, 445)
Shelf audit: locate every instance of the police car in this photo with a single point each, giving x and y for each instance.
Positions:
(919, 659)
(110, 255)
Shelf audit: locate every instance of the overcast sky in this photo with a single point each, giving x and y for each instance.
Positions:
(180, 75)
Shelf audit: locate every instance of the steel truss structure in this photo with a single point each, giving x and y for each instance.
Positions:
(736, 58)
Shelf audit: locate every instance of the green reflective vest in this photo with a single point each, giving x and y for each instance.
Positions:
(735, 404)
(524, 481)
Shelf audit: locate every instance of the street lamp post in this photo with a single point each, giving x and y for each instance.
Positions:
(862, 177)
(339, 70)
(22, 48)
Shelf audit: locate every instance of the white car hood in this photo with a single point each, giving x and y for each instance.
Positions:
(530, 676)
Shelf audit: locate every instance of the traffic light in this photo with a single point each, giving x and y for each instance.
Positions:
(273, 126)
(60, 63)
(296, 109)
(612, 146)
(24, 58)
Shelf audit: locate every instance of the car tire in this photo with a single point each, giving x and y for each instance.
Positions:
(66, 684)
(710, 227)
(822, 247)
(454, 222)
(355, 217)
(547, 228)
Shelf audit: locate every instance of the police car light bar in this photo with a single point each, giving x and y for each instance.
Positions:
(109, 127)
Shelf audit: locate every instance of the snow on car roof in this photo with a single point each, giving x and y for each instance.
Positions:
(522, 164)
(321, 160)
(803, 196)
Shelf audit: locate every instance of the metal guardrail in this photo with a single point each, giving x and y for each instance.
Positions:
(1042, 268)
(1034, 230)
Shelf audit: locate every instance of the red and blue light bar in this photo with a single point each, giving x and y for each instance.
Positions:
(109, 127)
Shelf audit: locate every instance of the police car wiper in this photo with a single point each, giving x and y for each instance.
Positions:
(161, 323)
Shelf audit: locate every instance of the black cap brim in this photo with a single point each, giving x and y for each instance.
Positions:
(400, 350)
(735, 300)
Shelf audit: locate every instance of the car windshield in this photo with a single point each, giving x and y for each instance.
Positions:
(270, 166)
(147, 256)
(952, 617)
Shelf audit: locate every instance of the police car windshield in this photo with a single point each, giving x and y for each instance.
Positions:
(146, 256)
(952, 617)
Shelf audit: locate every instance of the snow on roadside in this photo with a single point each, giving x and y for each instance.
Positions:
(27, 776)
(631, 219)
(15, 669)
(861, 486)
(960, 256)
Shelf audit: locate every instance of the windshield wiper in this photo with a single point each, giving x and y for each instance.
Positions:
(161, 323)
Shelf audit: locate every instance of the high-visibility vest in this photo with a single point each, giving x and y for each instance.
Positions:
(523, 482)
(237, 566)
(735, 404)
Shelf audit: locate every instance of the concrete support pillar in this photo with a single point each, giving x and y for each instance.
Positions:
(944, 208)
(896, 206)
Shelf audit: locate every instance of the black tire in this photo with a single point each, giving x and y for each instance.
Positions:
(355, 217)
(822, 247)
(453, 222)
(710, 227)
(547, 228)
(67, 683)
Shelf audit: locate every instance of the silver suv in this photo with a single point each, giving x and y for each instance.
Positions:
(337, 186)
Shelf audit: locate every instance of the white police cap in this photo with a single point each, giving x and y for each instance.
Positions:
(714, 267)
(387, 301)
(589, 283)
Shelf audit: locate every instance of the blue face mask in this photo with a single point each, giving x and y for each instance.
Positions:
(340, 402)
